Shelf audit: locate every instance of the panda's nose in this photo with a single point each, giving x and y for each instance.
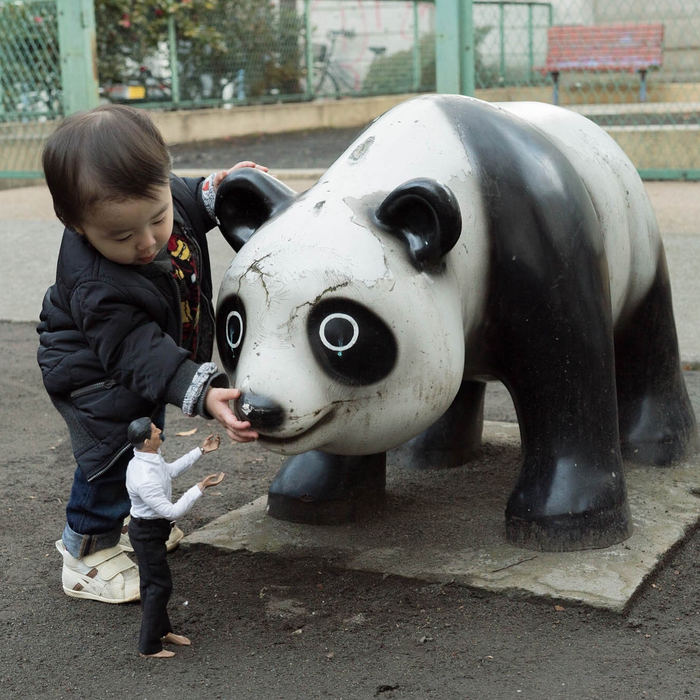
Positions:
(262, 412)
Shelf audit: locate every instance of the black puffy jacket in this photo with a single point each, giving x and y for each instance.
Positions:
(110, 337)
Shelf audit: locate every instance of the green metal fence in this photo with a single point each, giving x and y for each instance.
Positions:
(30, 84)
(188, 54)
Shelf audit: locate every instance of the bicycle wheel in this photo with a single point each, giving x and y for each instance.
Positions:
(325, 84)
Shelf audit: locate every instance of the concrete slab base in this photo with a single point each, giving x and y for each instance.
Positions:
(447, 526)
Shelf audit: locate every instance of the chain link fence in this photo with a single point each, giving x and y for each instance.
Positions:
(633, 66)
(30, 83)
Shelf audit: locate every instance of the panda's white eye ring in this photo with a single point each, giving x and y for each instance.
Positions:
(350, 343)
(231, 344)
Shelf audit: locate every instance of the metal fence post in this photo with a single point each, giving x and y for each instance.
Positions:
(309, 53)
(468, 48)
(417, 70)
(172, 57)
(454, 46)
(530, 44)
(76, 38)
(502, 40)
(447, 46)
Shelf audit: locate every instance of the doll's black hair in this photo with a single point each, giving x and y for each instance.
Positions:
(139, 431)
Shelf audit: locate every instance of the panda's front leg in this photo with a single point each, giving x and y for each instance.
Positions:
(571, 492)
(318, 488)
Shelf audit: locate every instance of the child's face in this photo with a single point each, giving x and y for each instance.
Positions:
(133, 231)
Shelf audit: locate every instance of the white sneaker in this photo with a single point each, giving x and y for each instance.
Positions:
(176, 534)
(124, 541)
(108, 576)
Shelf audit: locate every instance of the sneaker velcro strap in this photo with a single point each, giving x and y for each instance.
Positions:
(109, 562)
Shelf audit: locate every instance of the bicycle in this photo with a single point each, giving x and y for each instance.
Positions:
(330, 76)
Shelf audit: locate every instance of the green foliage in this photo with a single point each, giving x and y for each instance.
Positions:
(216, 39)
(394, 73)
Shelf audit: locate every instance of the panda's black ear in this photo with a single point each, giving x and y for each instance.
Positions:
(245, 200)
(426, 216)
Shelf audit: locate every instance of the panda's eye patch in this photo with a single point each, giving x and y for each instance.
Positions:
(350, 342)
(230, 331)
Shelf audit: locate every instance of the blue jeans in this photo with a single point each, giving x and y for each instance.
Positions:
(96, 509)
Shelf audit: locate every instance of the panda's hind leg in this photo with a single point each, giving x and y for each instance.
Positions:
(657, 424)
(453, 439)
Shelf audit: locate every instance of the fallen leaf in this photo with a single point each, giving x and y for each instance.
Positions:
(186, 433)
(559, 608)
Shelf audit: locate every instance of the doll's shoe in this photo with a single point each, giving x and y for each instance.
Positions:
(108, 576)
(176, 534)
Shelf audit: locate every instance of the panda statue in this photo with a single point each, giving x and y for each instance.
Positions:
(453, 243)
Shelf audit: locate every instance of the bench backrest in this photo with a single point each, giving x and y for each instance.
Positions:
(619, 47)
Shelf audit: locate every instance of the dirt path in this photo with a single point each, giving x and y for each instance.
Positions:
(265, 628)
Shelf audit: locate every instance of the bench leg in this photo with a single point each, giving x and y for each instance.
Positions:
(555, 90)
(643, 86)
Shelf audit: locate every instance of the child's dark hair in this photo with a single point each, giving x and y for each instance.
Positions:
(111, 153)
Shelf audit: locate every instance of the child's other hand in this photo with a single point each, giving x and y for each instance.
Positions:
(243, 164)
(217, 404)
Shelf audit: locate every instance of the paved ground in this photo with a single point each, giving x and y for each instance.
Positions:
(270, 627)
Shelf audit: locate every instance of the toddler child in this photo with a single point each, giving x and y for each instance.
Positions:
(128, 326)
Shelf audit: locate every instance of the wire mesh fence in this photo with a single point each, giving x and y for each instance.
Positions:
(633, 66)
(30, 82)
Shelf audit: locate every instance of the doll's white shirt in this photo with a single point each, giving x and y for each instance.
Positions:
(149, 483)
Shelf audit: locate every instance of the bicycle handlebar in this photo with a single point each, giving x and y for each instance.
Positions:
(347, 33)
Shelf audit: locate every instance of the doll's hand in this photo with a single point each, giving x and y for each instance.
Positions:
(211, 443)
(217, 404)
(218, 177)
(211, 480)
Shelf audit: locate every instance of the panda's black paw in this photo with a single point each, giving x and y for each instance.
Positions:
(571, 504)
(662, 433)
(317, 488)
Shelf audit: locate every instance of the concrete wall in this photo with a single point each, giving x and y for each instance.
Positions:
(647, 147)
(208, 124)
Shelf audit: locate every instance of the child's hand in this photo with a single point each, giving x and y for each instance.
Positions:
(217, 404)
(218, 177)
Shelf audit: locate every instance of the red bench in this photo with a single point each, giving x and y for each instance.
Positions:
(614, 47)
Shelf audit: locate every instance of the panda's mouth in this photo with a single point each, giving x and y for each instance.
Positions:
(326, 418)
